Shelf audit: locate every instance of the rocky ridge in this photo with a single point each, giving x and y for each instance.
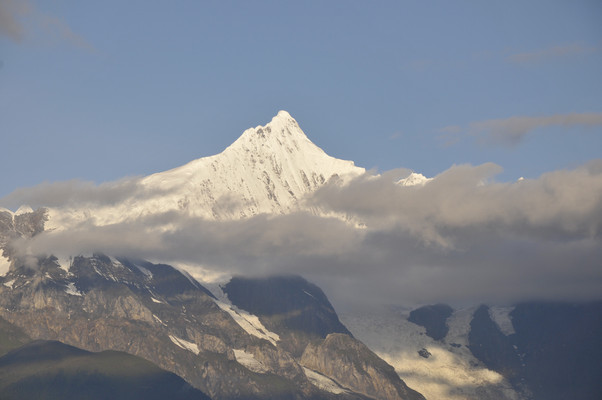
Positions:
(158, 313)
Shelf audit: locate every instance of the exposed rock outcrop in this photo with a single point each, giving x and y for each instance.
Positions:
(355, 366)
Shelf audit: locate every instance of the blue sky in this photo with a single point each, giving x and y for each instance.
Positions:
(102, 90)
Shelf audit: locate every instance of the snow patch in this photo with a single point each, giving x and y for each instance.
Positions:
(146, 272)
(116, 262)
(72, 290)
(249, 361)
(24, 209)
(501, 316)
(4, 265)
(323, 382)
(414, 179)
(158, 320)
(157, 301)
(64, 262)
(9, 284)
(185, 344)
(249, 322)
(459, 326)
(309, 294)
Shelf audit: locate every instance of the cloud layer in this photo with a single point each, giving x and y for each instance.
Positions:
(461, 238)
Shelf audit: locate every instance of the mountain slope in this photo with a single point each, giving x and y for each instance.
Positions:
(156, 312)
(351, 363)
(11, 337)
(289, 305)
(53, 370)
(102, 303)
(554, 351)
(162, 315)
(439, 369)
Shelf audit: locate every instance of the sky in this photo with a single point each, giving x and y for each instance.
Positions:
(99, 91)
(471, 92)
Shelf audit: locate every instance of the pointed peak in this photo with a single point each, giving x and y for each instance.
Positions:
(283, 114)
(414, 179)
(282, 119)
(282, 128)
(24, 209)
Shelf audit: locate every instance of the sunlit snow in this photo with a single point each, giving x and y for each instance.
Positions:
(283, 167)
(249, 322)
(414, 179)
(72, 290)
(184, 344)
(9, 284)
(4, 265)
(24, 209)
(158, 320)
(323, 382)
(249, 361)
(451, 372)
(501, 316)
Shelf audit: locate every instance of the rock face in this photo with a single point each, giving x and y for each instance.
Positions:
(22, 224)
(355, 366)
(103, 303)
(156, 312)
(433, 318)
(553, 353)
(298, 311)
(492, 347)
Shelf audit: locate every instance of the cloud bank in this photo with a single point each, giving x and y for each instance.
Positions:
(461, 238)
(78, 193)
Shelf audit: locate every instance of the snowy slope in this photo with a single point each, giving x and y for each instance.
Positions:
(249, 322)
(269, 169)
(451, 372)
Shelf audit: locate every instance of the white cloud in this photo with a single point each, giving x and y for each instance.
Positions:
(460, 238)
(77, 193)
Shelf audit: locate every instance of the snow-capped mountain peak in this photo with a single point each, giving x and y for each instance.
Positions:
(414, 179)
(268, 169)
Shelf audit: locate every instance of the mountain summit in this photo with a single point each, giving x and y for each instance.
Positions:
(268, 169)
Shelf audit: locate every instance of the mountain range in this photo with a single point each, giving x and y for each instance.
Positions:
(257, 336)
